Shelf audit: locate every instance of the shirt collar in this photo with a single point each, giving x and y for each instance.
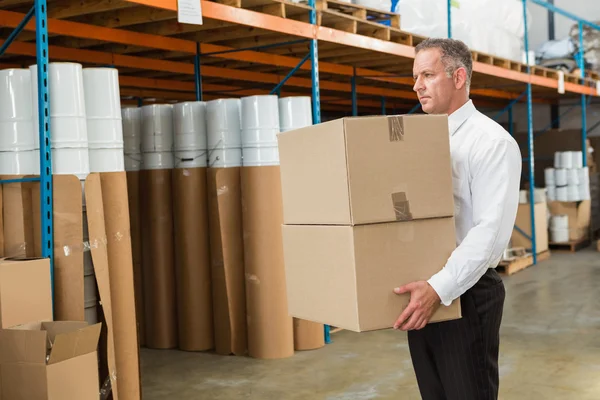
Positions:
(458, 117)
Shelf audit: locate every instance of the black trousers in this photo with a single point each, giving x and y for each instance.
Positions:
(458, 360)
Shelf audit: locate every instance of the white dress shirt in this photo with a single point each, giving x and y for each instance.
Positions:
(486, 170)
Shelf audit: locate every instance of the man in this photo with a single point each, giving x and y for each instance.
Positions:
(458, 360)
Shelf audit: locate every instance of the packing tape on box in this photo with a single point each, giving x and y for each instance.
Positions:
(401, 206)
(91, 244)
(396, 128)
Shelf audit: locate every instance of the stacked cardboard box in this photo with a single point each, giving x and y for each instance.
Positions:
(41, 359)
(523, 223)
(368, 206)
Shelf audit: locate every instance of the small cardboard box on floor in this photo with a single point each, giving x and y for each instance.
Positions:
(49, 360)
(368, 206)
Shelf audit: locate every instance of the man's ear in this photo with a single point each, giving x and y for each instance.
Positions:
(460, 78)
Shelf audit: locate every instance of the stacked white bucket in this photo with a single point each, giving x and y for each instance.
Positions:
(223, 120)
(19, 139)
(132, 138)
(103, 111)
(569, 180)
(157, 136)
(189, 126)
(260, 126)
(69, 143)
(294, 113)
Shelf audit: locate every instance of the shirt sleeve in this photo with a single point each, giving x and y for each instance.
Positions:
(496, 173)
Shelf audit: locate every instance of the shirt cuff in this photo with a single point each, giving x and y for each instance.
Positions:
(444, 285)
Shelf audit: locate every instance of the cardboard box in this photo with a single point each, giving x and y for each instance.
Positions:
(49, 360)
(523, 222)
(25, 291)
(344, 276)
(364, 170)
(579, 214)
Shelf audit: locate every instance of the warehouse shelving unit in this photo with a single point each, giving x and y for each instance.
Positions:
(360, 59)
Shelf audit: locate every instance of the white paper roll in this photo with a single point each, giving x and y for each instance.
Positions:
(573, 193)
(102, 95)
(551, 193)
(549, 176)
(17, 131)
(133, 161)
(223, 121)
(577, 159)
(18, 135)
(557, 158)
(566, 159)
(105, 133)
(266, 137)
(584, 175)
(157, 128)
(560, 177)
(20, 162)
(158, 160)
(572, 177)
(561, 193)
(559, 235)
(584, 191)
(559, 222)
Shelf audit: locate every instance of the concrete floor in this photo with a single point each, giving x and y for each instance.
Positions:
(550, 349)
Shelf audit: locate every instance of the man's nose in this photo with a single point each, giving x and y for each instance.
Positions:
(418, 86)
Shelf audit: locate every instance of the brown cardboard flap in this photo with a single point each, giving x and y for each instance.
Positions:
(116, 218)
(97, 236)
(71, 344)
(17, 218)
(24, 381)
(68, 249)
(24, 343)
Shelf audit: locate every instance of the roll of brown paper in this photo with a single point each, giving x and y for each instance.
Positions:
(120, 266)
(308, 335)
(158, 259)
(133, 193)
(270, 328)
(192, 261)
(227, 260)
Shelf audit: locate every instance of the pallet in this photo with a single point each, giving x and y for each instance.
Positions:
(364, 13)
(571, 246)
(509, 267)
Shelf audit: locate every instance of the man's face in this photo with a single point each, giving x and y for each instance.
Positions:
(433, 87)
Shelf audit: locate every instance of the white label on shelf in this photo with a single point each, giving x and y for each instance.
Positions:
(561, 82)
(189, 12)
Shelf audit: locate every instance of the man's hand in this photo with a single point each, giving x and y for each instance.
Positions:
(424, 301)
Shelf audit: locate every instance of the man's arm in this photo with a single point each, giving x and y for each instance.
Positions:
(494, 189)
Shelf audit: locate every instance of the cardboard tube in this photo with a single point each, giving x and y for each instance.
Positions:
(133, 193)
(227, 260)
(158, 259)
(270, 328)
(120, 265)
(192, 261)
(18, 218)
(308, 335)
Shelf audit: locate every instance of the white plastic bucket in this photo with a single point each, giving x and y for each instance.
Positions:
(223, 120)
(225, 158)
(566, 159)
(573, 193)
(294, 112)
(584, 191)
(572, 177)
(131, 119)
(560, 177)
(105, 133)
(132, 161)
(549, 176)
(102, 96)
(561, 193)
(584, 175)
(259, 137)
(15, 95)
(551, 193)
(67, 94)
(559, 235)
(106, 160)
(559, 222)
(159, 160)
(68, 132)
(157, 128)
(20, 162)
(260, 112)
(17, 135)
(71, 161)
(189, 125)
(577, 159)
(260, 156)
(191, 159)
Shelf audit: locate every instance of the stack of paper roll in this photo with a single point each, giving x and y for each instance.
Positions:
(132, 145)
(294, 113)
(192, 261)
(270, 328)
(157, 227)
(69, 143)
(19, 139)
(225, 223)
(559, 229)
(569, 180)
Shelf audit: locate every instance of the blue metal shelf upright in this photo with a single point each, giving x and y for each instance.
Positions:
(39, 9)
